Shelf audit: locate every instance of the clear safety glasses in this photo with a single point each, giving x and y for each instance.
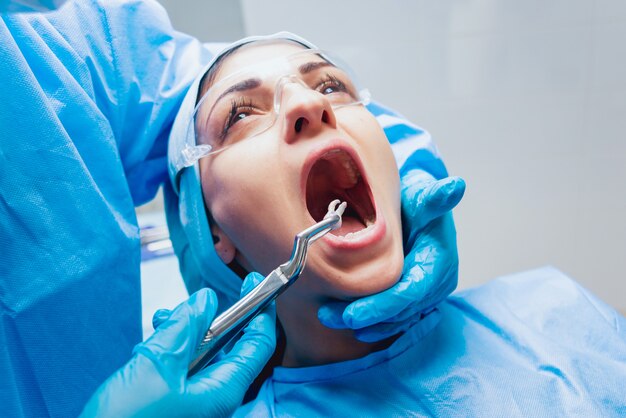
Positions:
(248, 102)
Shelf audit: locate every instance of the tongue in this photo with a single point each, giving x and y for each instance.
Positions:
(348, 224)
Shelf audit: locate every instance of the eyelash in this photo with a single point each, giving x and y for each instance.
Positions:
(330, 80)
(236, 107)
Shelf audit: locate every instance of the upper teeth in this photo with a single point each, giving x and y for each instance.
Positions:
(350, 169)
(348, 164)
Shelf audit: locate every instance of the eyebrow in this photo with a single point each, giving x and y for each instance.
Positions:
(249, 84)
(312, 66)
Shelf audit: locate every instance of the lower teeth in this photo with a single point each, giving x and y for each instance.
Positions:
(361, 232)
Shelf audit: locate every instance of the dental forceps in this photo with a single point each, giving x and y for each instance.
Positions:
(227, 325)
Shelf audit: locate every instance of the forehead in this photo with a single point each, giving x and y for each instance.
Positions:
(255, 53)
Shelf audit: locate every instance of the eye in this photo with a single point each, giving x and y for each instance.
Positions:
(240, 109)
(331, 84)
(237, 116)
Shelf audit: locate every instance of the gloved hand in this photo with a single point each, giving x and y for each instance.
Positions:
(154, 382)
(430, 271)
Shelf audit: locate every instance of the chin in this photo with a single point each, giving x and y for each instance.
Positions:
(347, 282)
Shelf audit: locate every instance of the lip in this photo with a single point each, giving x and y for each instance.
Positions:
(377, 231)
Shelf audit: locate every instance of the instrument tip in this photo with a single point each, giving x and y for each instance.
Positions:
(341, 209)
(336, 207)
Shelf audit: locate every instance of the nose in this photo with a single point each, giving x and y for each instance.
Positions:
(304, 112)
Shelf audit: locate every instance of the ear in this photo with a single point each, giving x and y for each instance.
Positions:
(223, 245)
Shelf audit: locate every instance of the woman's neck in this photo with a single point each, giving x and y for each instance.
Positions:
(309, 343)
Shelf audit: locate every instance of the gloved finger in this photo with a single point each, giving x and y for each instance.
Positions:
(422, 201)
(173, 344)
(432, 264)
(331, 315)
(160, 316)
(421, 324)
(241, 365)
(379, 332)
(407, 314)
(392, 326)
(379, 307)
(250, 282)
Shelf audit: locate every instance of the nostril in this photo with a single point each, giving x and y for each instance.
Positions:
(299, 124)
(325, 117)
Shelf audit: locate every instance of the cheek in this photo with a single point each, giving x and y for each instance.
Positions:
(238, 193)
(230, 185)
(233, 177)
(380, 161)
(365, 129)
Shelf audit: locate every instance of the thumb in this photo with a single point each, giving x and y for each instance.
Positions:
(160, 316)
(173, 343)
(238, 369)
(423, 201)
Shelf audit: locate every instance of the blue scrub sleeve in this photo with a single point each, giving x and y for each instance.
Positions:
(139, 69)
(86, 100)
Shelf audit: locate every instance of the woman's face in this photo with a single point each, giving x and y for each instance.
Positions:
(263, 190)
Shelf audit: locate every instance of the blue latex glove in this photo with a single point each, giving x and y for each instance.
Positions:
(430, 271)
(154, 382)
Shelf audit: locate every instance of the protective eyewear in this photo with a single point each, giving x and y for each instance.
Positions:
(248, 102)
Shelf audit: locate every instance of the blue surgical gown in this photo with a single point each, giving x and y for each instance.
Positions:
(86, 100)
(533, 344)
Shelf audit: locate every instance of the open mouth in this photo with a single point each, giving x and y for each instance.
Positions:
(335, 175)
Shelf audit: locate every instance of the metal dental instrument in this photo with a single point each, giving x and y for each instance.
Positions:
(234, 319)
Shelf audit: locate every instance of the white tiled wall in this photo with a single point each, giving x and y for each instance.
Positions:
(527, 101)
